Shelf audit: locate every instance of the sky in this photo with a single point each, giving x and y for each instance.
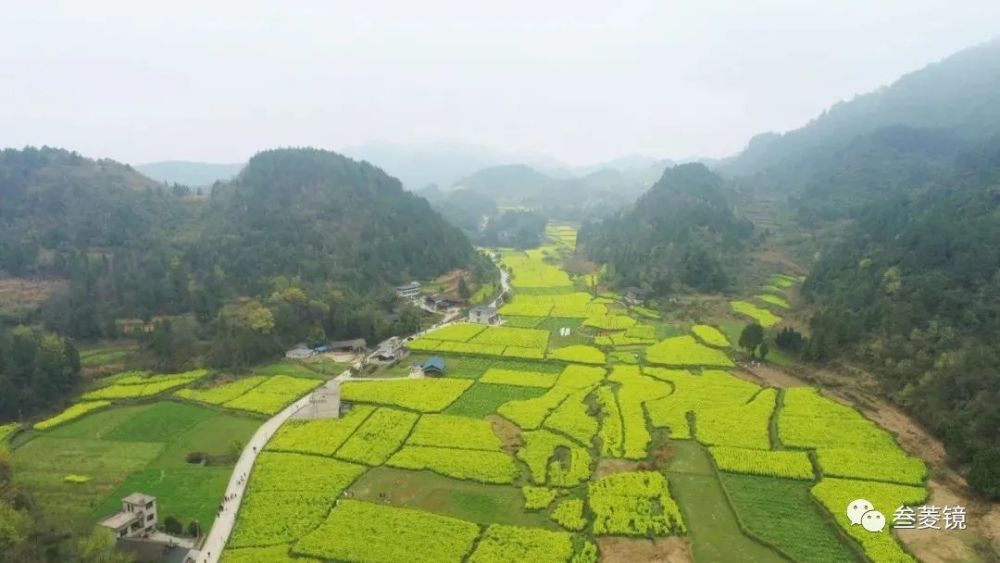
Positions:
(579, 80)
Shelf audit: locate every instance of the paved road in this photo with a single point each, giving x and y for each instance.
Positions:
(217, 537)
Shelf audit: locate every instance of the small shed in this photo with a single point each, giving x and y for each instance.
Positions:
(353, 345)
(300, 352)
(433, 366)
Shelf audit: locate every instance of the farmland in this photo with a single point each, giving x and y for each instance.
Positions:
(580, 418)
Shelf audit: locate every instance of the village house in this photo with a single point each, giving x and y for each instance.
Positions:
(433, 366)
(300, 352)
(409, 290)
(137, 518)
(354, 345)
(635, 296)
(484, 315)
(389, 350)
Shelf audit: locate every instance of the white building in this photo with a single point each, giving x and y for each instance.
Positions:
(300, 352)
(137, 518)
(411, 289)
(390, 350)
(484, 315)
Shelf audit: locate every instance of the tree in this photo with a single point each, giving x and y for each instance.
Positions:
(194, 529)
(751, 337)
(984, 475)
(99, 547)
(790, 340)
(463, 288)
(763, 349)
(173, 526)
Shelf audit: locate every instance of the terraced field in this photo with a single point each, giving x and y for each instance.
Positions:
(581, 419)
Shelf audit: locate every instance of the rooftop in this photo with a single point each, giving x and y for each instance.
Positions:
(436, 362)
(138, 498)
(484, 309)
(119, 519)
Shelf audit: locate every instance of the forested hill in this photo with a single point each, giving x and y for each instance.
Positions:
(325, 217)
(679, 233)
(913, 289)
(958, 97)
(131, 247)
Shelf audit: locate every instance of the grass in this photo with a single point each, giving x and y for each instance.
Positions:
(713, 529)
(188, 494)
(483, 398)
(159, 423)
(294, 369)
(781, 513)
(475, 502)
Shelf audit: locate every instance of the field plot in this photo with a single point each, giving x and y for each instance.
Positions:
(273, 395)
(788, 464)
(573, 418)
(475, 465)
(271, 554)
(835, 494)
(580, 354)
(135, 386)
(454, 432)
(520, 378)
(378, 437)
(422, 395)
(7, 430)
(222, 393)
(356, 531)
(634, 504)
(741, 425)
(539, 454)
(511, 544)
(710, 335)
(319, 437)
(780, 512)
(810, 420)
(72, 413)
(634, 391)
(695, 393)
(482, 399)
(773, 300)
(288, 496)
(529, 413)
(763, 316)
(119, 450)
(685, 351)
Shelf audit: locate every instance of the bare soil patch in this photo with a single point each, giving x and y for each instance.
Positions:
(607, 466)
(661, 550)
(507, 431)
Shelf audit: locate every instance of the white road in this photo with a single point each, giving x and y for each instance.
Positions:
(217, 537)
(215, 542)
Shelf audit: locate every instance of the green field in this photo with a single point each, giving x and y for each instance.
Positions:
(135, 448)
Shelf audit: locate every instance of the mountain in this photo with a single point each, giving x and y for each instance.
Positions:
(958, 97)
(912, 289)
(511, 181)
(681, 232)
(188, 173)
(323, 216)
(440, 163)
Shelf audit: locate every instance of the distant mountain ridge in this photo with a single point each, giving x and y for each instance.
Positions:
(189, 173)
(958, 96)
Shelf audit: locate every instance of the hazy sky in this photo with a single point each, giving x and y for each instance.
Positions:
(580, 80)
